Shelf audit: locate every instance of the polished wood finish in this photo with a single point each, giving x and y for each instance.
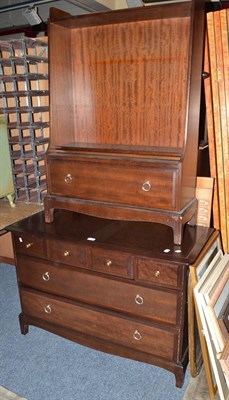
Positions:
(124, 112)
(113, 181)
(123, 291)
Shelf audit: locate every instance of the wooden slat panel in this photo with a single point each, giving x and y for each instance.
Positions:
(218, 56)
(211, 138)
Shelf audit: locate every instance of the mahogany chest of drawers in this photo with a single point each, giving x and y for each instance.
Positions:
(116, 286)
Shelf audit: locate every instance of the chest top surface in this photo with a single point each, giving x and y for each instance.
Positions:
(138, 238)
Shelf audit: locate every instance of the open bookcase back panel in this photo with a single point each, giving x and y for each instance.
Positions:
(107, 81)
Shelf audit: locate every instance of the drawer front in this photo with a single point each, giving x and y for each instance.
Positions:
(157, 305)
(114, 182)
(112, 262)
(28, 244)
(163, 274)
(66, 252)
(127, 332)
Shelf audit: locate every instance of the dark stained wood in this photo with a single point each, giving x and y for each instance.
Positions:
(28, 244)
(140, 238)
(110, 262)
(157, 340)
(66, 252)
(175, 220)
(159, 273)
(110, 86)
(117, 286)
(136, 300)
(106, 346)
(55, 14)
(125, 96)
(105, 180)
(180, 10)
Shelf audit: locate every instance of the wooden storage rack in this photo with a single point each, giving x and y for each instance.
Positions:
(24, 102)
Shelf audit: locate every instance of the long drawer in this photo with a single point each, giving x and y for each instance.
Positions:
(108, 326)
(151, 186)
(153, 304)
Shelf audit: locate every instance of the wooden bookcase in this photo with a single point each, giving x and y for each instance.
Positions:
(124, 113)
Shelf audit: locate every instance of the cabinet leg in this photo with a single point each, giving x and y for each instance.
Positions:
(23, 325)
(178, 224)
(179, 375)
(49, 214)
(193, 220)
(11, 198)
(177, 233)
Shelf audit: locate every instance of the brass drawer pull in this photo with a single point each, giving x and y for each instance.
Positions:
(28, 245)
(68, 178)
(66, 253)
(48, 309)
(46, 276)
(139, 300)
(146, 186)
(108, 263)
(137, 335)
(157, 273)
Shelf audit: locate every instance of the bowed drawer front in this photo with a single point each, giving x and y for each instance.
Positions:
(111, 262)
(66, 252)
(127, 332)
(152, 186)
(29, 244)
(153, 304)
(165, 274)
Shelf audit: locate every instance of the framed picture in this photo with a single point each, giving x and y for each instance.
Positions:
(206, 261)
(224, 360)
(198, 351)
(217, 300)
(211, 293)
(224, 318)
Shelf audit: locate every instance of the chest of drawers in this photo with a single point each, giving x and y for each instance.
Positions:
(110, 285)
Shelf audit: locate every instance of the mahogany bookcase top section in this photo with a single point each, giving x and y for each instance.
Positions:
(169, 10)
(123, 78)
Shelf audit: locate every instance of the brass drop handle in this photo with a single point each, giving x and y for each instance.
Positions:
(46, 276)
(139, 300)
(108, 263)
(68, 178)
(48, 309)
(157, 273)
(137, 335)
(66, 253)
(146, 186)
(28, 245)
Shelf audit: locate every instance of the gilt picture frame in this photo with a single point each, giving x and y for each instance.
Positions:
(207, 291)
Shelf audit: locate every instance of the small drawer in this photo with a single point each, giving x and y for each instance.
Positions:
(149, 303)
(66, 252)
(111, 327)
(125, 183)
(164, 274)
(28, 244)
(112, 262)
